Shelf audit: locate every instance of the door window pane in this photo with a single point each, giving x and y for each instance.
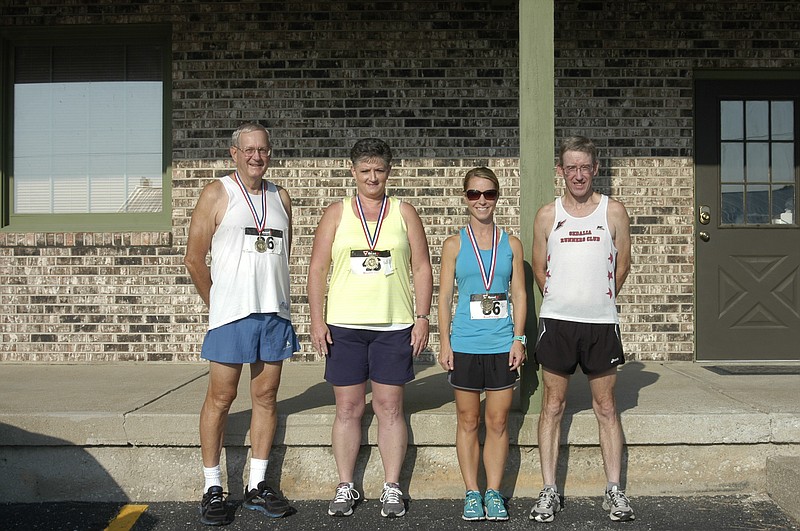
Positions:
(732, 204)
(757, 120)
(783, 204)
(732, 120)
(782, 127)
(757, 204)
(757, 162)
(732, 162)
(783, 163)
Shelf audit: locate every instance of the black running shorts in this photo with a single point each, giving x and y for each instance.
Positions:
(563, 345)
(481, 372)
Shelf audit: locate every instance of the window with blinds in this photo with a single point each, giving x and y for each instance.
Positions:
(88, 124)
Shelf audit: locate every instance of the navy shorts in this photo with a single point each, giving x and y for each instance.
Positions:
(358, 355)
(257, 337)
(563, 345)
(481, 372)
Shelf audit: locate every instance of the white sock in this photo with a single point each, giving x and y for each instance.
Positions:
(213, 477)
(258, 471)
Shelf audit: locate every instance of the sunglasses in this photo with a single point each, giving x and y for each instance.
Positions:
(474, 195)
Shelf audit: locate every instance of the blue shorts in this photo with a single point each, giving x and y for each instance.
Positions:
(358, 355)
(257, 337)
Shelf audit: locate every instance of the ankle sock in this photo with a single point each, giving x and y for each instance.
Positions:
(213, 477)
(258, 471)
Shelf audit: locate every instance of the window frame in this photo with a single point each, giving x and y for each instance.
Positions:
(10, 38)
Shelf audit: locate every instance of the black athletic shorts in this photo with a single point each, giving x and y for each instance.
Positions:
(563, 345)
(481, 372)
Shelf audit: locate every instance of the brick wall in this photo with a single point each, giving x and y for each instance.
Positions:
(438, 80)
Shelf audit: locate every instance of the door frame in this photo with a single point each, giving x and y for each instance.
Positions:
(731, 84)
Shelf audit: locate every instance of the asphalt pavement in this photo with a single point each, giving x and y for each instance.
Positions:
(653, 513)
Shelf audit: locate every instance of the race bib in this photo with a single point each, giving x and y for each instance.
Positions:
(488, 306)
(366, 262)
(270, 241)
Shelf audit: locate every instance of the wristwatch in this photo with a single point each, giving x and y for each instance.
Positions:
(521, 339)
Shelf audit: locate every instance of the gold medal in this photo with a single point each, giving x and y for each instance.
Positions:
(487, 305)
(372, 263)
(261, 244)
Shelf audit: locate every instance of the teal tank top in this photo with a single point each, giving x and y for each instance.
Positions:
(484, 335)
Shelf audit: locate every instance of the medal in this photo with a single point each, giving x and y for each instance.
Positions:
(261, 244)
(372, 262)
(487, 305)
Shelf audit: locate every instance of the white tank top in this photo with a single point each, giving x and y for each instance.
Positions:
(581, 264)
(249, 276)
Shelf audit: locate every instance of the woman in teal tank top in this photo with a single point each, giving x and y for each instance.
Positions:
(483, 345)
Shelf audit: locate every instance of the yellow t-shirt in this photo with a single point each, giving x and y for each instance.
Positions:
(371, 288)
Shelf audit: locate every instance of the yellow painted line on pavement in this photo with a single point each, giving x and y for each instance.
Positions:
(126, 518)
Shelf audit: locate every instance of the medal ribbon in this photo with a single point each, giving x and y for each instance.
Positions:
(260, 223)
(372, 240)
(487, 279)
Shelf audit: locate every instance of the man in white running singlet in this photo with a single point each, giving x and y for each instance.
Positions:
(581, 258)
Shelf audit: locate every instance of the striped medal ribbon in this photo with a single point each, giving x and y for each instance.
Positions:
(261, 244)
(372, 239)
(486, 303)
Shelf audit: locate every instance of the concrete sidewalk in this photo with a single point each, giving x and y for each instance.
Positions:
(688, 429)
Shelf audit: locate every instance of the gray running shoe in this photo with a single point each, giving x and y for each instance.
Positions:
(618, 506)
(344, 501)
(392, 499)
(546, 507)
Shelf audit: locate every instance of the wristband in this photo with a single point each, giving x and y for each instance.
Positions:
(521, 339)
(421, 316)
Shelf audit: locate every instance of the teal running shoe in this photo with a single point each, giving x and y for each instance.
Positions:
(473, 506)
(495, 505)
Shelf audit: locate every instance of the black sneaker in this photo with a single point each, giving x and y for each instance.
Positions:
(265, 500)
(212, 508)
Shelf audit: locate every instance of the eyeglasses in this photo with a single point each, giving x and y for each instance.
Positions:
(474, 195)
(251, 151)
(586, 169)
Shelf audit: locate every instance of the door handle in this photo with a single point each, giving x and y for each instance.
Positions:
(704, 215)
(704, 236)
